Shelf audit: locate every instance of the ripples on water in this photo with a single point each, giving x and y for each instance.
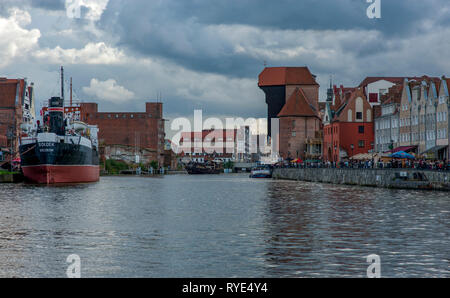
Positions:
(221, 226)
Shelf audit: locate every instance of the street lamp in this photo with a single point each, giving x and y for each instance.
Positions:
(352, 147)
(335, 153)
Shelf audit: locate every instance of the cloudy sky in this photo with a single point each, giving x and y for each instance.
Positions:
(207, 54)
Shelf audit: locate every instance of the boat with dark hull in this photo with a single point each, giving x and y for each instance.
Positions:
(261, 172)
(62, 151)
(199, 169)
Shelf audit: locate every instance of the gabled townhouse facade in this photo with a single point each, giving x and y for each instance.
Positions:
(350, 131)
(428, 134)
(387, 123)
(442, 122)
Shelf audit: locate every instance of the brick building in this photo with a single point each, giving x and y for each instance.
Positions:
(16, 113)
(348, 128)
(299, 123)
(279, 83)
(129, 134)
(209, 145)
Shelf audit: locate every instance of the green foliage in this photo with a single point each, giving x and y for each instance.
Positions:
(115, 166)
(4, 172)
(154, 164)
(228, 165)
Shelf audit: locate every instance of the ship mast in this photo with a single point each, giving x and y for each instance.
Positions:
(70, 92)
(62, 83)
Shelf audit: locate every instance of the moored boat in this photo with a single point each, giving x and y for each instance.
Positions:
(261, 172)
(62, 150)
(194, 168)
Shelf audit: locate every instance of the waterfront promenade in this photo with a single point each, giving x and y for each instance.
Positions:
(402, 178)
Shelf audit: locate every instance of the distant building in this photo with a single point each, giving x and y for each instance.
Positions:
(442, 115)
(387, 120)
(375, 87)
(129, 134)
(299, 123)
(17, 113)
(418, 115)
(202, 146)
(170, 155)
(348, 126)
(424, 121)
(279, 83)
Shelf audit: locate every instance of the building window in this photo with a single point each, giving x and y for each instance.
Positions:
(294, 134)
(293, 123)
(361, 144)
(361, 129)
(359, 115)
(373, 97)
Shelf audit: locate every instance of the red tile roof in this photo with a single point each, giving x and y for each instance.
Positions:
(297, 106)
(370, 80)
(280, 76)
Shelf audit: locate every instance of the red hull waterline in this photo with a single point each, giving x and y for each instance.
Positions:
(51, 174)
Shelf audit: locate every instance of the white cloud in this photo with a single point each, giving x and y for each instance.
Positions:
(95, 7)
(108, 91)
(15, 40)
(92, 53)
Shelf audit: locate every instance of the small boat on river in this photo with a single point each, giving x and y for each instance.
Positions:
(261, 172)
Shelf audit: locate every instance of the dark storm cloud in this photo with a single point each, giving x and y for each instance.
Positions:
(179, 30)
(49, 4)
(43, 4)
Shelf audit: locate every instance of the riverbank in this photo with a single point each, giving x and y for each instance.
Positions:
(8, 177)
(384, 178)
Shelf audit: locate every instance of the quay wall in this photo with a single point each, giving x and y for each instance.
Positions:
(386, 178)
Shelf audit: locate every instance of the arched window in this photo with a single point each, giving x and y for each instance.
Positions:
(350, 115)
(368, 116)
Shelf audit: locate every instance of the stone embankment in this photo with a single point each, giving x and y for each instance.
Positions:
(387, 178)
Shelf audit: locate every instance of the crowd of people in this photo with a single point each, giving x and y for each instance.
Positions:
(422, 164)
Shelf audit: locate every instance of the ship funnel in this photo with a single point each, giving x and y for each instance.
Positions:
(56, 113)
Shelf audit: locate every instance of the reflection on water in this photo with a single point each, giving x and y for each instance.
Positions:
(221, 226)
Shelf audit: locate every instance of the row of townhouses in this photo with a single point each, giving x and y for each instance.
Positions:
(380, 115)
(414, 118)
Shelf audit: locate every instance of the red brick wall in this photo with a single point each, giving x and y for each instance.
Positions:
(294, 146)
(10, 113)
(311, 92)
(343, 135)
(144, 130)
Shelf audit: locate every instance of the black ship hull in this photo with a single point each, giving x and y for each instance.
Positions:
(51, 162)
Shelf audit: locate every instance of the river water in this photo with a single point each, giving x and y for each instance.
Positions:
(221, 226)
